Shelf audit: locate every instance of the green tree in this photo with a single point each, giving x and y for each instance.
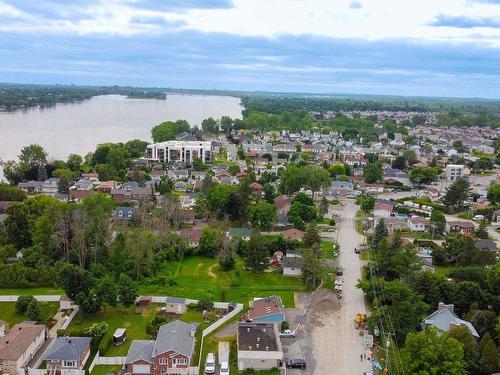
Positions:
(489, 357)
(74, 162)
(427, 352)
(399, 163)
(269, 193)
(313, 271)
(438, 222)
(33, 155)
(462, 334)
(167, 130)
(127, 291)
(482, 231)
(263, 215)
(90, 301)
(75, 280)
(33, 311)
(22, 303)
(457, 194)
(311, 235)
(227, 255)
(64, 184)
(373, 173)
(459, 146)
(336, 170)
(365, 202)
(323, 207)
(210, 242)
(380, 233)
(108, 290)
(11, 193)
(256, 253)
(423, 175)
(493, 193)
(466, 294)
(17, 226)
(316, 178)
(209, 125)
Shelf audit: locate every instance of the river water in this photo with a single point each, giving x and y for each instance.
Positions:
(79, 127)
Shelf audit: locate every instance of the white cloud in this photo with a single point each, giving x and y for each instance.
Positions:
(375, 20)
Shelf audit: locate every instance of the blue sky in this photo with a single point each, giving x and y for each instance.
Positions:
(424, 48)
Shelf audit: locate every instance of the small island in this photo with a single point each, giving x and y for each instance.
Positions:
(146, 95)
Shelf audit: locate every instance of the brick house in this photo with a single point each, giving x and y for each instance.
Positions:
(170, 353)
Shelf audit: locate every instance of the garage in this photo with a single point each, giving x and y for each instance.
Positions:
(141, 369)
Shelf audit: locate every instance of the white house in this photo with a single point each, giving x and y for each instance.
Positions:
(418, 224)
(259, 346)
(382, 210)
(292, 266)
(454, 171)
(180, 151)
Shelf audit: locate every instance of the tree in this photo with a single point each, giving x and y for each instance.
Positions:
(210, 242)
(365, 202)
(489, 358)
(423, 175)
(74, 162)
(33, 155)
(64, 184)
(459, 146)
(316, 178)
(457, 194)
(269, 193)
(263, 215)
(466, 294)
(127, 291)
(75, 280)
(256, 253)
(493, 193)
(227, 255)
(323, 207)
(336, 170)
(484, 321)
(311, 235)
(16, 225)
(313, 271)
(410, 156)
(399, 163)
(11, 193)
(438, 222)
(427, 352)
(209, 125)
(462, 334)
(167, 130)
(380, 233)
(33, 311)
(244, 193)
(373, 173)
(108, 290)
(482, 231)
(22, 303)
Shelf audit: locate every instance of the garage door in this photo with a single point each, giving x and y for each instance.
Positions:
(141, 369)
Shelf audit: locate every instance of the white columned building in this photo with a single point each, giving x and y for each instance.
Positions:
(180, 151)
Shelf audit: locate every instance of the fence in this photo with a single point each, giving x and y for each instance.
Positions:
(44, 298)
(70, 318)
(163, 299)
(221, 321)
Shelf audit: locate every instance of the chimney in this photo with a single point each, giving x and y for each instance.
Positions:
(441, 306)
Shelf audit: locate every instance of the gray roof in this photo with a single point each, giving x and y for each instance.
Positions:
(444, 319)
(176, 300)
(293, 262)
(485, 244)
(176, 336)
(68, 348)
(140, 349)
(30, 184)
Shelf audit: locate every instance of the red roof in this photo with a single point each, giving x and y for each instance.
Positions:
(282, 201)
(192, 235)
(255, 186)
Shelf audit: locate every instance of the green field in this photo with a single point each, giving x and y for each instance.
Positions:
(106, 369)
(8, 312)
(195, 275)
(120, 317)
(327, 250)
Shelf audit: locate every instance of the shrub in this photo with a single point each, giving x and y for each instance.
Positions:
(23, 302)
(284, 325)
(332, 222)
(33, 311)
(105, 343)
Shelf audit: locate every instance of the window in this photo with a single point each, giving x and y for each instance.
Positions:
(180, 361)
(69, 363)
(163, 361)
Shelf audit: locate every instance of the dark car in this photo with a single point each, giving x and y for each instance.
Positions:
(339, 271)
(356, 250)
(296, 363)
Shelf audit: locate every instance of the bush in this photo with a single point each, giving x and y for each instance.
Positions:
(285, 325)
(33, 312)
(22, 303)
(105, 343)
(332, 222)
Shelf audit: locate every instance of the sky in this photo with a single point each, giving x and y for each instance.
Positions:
(390, 47)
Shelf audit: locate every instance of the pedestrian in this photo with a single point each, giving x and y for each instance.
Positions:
(361, 357)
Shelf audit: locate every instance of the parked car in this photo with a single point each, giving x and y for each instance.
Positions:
(287, 333)
(356, 250)
(210, 364)
(296, 363)
(478, 218)
(339, 271)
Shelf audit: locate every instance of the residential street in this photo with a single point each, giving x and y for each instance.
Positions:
(328, 340)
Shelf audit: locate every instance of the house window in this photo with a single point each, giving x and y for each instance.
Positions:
(69, 363)
(163, 361)
(180, 361)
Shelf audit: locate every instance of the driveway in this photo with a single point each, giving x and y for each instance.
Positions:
(328, 340)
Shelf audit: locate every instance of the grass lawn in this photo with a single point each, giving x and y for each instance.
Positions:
(444, 270)
(120, 317)
(8, 312)
(105, 369)
(327, 250)
(195, 275)
(31, 291)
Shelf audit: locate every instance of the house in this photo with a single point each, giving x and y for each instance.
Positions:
(90, 176)
(83, 184)
(444, 318)
(78, 195)
(454, 171)
(483, 244)
(269, 309)
(459, 227)
(198, 175)
(394, 224)
(293, 234)
(191, 236)
(292, 266)
(186, 216)
(68, 353)
(418, 224)
(179, 151)
(19, 346)
(107, 186)
(243, 233)
(257, 189)
(485, 149)
(424, 256)
(134, 193)
(259, 346)
(30, 187)
(339, 187)
(170, 353)
(382, 210)
(180, 186)
(177, 174)
(49, 186)
(283, 204)
(175, 305)
(122, 214)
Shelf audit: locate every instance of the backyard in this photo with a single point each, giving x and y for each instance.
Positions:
(194, 276)
(120, 317)
(8, 312)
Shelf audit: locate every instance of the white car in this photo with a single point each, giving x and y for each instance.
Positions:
(224, 368)
(210, 364)
(287, 333)
(478, 218)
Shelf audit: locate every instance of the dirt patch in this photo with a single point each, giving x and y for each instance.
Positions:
(196, 270)
(227, 331)
(210, 271)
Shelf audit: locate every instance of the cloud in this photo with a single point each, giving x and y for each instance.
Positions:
(463, 22)
(355, 5)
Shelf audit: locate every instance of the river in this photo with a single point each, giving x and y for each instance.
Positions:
(79, 127)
